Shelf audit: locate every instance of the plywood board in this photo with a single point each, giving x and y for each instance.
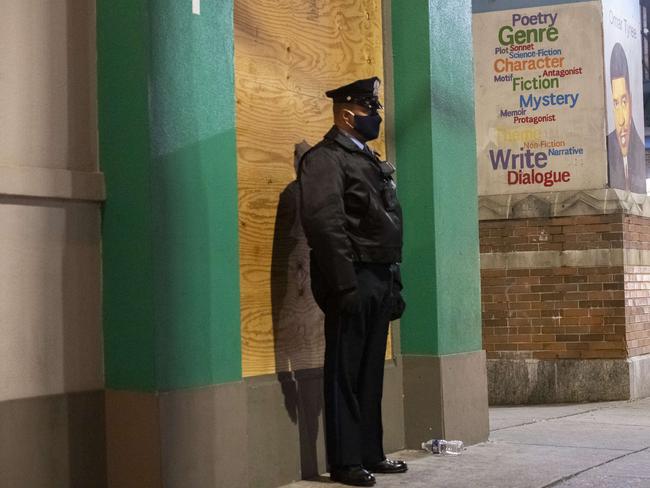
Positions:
(287, 54)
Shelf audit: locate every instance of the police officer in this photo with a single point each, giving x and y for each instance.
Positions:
(353, 223)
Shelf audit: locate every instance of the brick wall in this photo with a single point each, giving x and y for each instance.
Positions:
(586, 312)
(637, 296)
(555, 234)
(636, 235)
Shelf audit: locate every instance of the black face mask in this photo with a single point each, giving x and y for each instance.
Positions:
(368, 125)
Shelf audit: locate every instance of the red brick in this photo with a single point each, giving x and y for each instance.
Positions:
(568, 338)
(590, 237)
(552, 329)
(542, 288)
(529, 314)
(598, 219)
(606, 295)
(612, 236)
(606, 345)
(603, 312)
(497, 281)
(571, 321)
(577, 329)
(551, 280)
(551, 313)
(600, 278)
(552, 296)
(576, 296)
(541, 272)
(518, 272)
(590, 286)
(514, 339)
(528, 330)
(492, 289)
(604, 354)
(528, 297)
(601, 329)
(567, 287)
(527, 280)
(594, 321)
(543, 338)
(613, 286)
(565, 271)
(575, 279)
(491, 273)
(590, 303)
(518, 322)
(591, 337)
(575, 312)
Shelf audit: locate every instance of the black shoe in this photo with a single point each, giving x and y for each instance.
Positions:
(388, 466)
(352, 475)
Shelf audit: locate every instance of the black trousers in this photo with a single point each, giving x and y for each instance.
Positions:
(355, 348)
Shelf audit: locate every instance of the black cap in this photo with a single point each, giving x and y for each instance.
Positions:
(360, 92)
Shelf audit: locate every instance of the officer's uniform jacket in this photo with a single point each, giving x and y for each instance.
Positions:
(349, 208)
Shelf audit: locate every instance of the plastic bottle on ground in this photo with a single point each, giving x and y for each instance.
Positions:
(441, 446)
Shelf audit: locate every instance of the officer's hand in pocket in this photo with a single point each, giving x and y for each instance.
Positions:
(398, 305)
(350, 301)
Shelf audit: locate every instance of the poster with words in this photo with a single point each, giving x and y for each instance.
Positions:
(539, 99)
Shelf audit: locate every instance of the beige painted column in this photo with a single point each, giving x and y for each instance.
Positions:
(51, 374)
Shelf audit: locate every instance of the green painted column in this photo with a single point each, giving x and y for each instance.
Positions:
(167, 147)
(170, 242)
(124, 146)
(444, 366)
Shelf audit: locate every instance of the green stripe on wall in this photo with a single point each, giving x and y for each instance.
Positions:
(435, 139)
(195, 194)
(413, 126)
(181, 191)
(123, 72)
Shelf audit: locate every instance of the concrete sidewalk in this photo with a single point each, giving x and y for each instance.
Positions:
(597, 445)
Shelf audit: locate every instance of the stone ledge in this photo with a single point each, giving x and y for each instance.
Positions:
(563, 204)
(573, 258)
(533, 381)
(22, 181)
(553, 259)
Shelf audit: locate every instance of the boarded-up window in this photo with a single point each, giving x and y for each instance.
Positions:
(287, 54)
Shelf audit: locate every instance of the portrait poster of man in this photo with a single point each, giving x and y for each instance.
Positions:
(624, 92)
